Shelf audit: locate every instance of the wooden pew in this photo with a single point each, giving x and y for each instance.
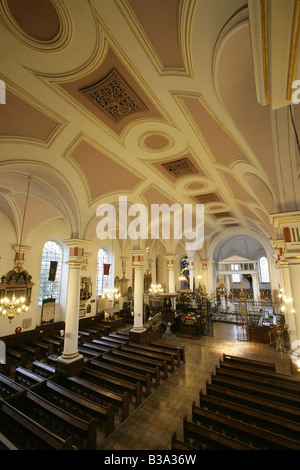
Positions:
(136, 358)
(253, 435)
(150, 354)
(124, 338)
(256, 390)
(261, 419)
(132, 367)
(105, 343)
(55, 419)
(32, 353)
(260, 372)
(6, 444)
(57, 344)
(44, 347)
(8, 387)
(26, 434)
(124, 334)
(155, 350)
(5, 369)
(278, 409)
(16, 357)
(75, 404)
(42, 369)
(96, 347)
(202, 437)
(87, 335)
(114, 339)
(169, 346)
(112, 383)
(264, 382)
(123, 374)
(249, 362)
(96, 332)
(26, 378)
(178, 444)
(98, 394)
(88, 353)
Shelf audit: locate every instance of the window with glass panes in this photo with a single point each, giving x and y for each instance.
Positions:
(102, 280)
(52, 251)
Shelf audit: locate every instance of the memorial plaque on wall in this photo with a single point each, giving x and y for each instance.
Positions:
(48, 311)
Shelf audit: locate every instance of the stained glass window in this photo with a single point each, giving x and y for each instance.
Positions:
(184, 272)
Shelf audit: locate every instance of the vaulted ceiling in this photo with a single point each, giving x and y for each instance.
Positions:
(183, 101)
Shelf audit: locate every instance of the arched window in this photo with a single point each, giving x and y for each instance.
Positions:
(52, 258)
(185, 272)
(263, 268)
(102, 278)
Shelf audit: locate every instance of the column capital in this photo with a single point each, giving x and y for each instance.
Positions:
(170, 261)
(20, 254)
(77, 247)
(138, 257)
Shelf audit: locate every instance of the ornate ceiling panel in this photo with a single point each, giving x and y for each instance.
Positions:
(157, 100)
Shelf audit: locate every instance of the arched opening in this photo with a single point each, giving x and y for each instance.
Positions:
(50, 276)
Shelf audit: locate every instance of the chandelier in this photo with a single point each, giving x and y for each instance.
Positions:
(155, 289)
(11, 308)
(112, 295)
(17, 279)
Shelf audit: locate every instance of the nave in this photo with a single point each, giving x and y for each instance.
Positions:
(151, 426)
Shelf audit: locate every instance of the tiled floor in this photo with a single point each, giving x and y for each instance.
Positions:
(150, 427)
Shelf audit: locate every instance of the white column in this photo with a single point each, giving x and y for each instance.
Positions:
(171, 260)
(211, 279)
(294, 272)
(255, 285)
(191, 272)
(138, 265)
(76, 259)
(286, 287)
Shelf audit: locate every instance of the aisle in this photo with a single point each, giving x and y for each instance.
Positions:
(151, 426)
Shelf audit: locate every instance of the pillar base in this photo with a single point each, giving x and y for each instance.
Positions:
(138, 335)
(69, 366)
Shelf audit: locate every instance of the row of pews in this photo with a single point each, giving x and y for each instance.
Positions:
(42, 409)
(247, 406)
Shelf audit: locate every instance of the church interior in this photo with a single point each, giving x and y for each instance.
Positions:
(150, 225)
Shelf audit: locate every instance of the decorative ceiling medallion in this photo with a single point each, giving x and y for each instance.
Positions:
(206, 198)
(113, 96)
(180, 167)
(221, 215)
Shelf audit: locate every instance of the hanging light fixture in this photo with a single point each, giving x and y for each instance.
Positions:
(11, 308)
(13, 305)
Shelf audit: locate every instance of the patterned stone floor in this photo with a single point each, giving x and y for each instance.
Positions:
(150, 427)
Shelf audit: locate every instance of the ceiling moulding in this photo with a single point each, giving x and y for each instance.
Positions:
(134, 104)
(46, 29)
(205, 198)
(222, 215)
(114, 97)
(180, 167)
(168, 47)
(22, 120)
